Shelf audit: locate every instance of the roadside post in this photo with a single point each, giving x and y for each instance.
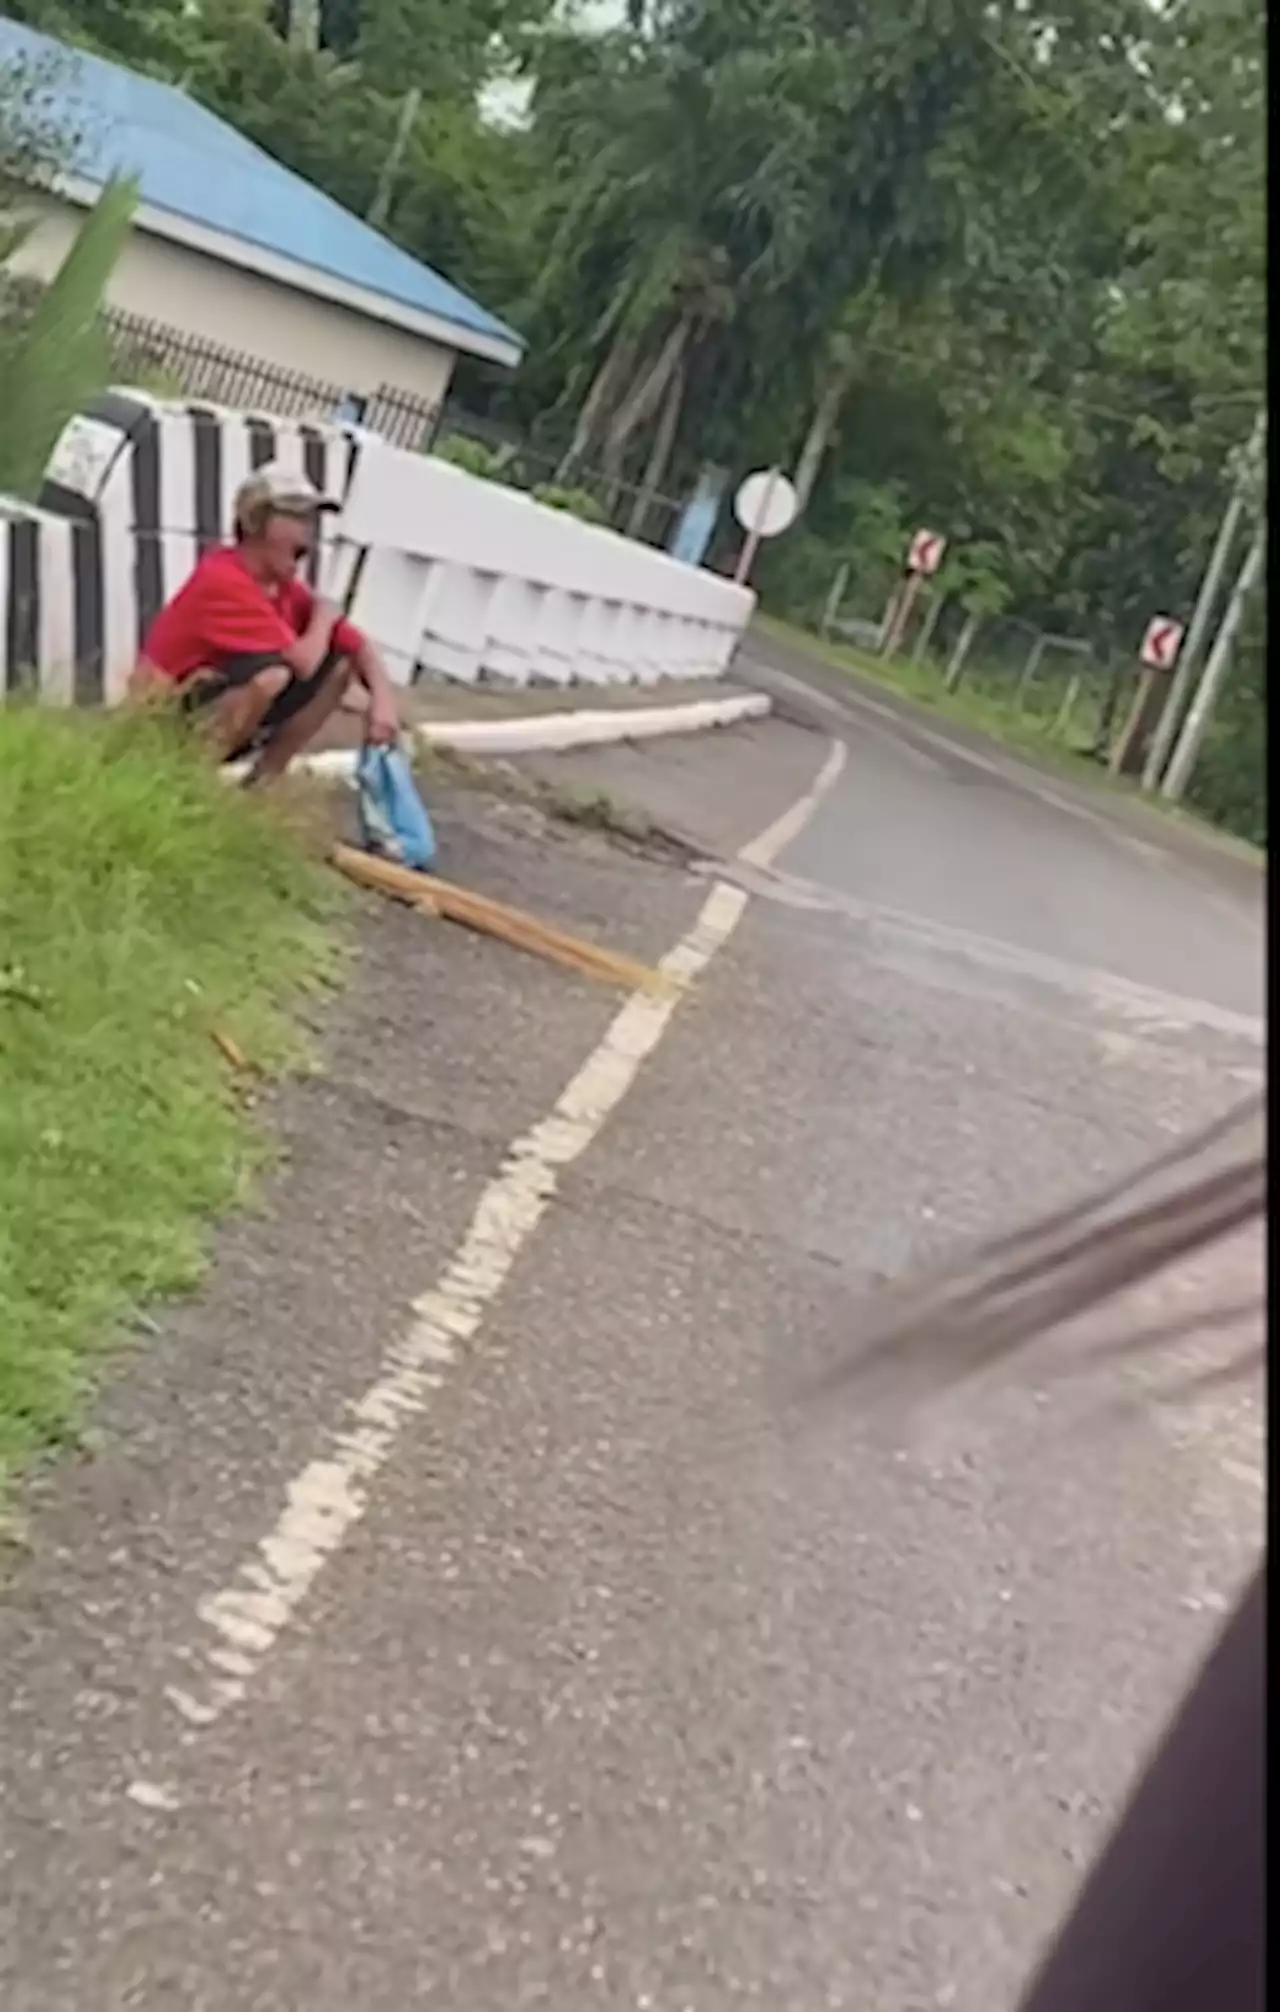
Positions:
(924, 556)
(1158, 657)
(766, 505)
(836, 596)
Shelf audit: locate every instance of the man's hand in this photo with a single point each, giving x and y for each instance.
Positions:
(382, 720)
(305, 657)
(383, 723)
(146, 686)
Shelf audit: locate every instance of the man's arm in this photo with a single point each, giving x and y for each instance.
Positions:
(383, 716)
(226, 615)
(321, 628)
(305, 653)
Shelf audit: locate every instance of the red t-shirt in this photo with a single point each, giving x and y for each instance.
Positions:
(222, 612)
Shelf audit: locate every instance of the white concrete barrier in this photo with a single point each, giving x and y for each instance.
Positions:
(513, 590)
(452, 576)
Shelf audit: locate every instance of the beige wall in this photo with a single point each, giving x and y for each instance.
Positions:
(259, 317)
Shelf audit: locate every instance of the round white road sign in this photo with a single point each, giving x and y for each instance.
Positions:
(766, 503)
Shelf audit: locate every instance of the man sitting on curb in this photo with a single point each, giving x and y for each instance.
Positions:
(250, 648)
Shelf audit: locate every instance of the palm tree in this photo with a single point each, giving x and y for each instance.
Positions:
(836, 369)
(697, 179)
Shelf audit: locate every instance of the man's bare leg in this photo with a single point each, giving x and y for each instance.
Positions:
(293, 736)
(233, 719)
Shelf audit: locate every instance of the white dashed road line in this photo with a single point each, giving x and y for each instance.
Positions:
(240, 1624)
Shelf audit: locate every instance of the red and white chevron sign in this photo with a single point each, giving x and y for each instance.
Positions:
(925, 552)
(1161, 643)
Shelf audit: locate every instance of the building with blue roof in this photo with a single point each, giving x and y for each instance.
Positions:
(234, 254)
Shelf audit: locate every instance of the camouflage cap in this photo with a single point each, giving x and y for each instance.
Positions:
(276, 490)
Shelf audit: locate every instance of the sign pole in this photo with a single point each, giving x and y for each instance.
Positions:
(897, 628)
(751, 542)
(1159, 658)
(924, 556)
(1126, 744)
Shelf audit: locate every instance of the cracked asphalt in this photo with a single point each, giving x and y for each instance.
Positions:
(643, 1683)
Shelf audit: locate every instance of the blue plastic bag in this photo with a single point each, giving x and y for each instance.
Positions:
(393, 817)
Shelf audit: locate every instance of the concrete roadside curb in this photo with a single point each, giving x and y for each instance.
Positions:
(557, 732)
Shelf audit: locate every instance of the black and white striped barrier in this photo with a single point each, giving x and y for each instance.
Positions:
(136, 490)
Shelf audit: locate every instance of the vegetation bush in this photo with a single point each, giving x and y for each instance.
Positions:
(145, 908)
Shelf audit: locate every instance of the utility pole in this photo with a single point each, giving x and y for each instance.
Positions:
(1206, 601)
(899, 616)
(1217, 664)
(751, 541)
(380, 207)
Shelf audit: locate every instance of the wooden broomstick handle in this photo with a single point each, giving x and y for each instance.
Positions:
(495, 918)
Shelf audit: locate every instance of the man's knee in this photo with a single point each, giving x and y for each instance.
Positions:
(271, 681)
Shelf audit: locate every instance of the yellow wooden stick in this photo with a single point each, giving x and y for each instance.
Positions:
(495, 918)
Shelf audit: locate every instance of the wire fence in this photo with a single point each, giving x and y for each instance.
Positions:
(1062, 685)
(157, 357)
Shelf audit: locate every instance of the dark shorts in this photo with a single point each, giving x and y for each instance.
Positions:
(207, 687)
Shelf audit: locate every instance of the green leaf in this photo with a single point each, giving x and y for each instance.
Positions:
(62, 359)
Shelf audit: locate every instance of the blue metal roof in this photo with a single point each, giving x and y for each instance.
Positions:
(198, 168)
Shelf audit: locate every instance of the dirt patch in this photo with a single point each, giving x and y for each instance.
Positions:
(546, 805)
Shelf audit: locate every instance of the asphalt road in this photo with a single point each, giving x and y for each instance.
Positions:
(628, 1677)
(943, 824)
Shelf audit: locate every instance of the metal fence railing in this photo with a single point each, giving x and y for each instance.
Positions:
(401, 417)
(156, 356)
(1065, 685)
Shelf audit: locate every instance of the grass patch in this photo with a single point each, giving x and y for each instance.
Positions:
(597, 810)
(147, 912)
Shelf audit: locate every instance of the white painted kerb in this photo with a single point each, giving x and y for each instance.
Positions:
(558, 731)
(554, 732)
